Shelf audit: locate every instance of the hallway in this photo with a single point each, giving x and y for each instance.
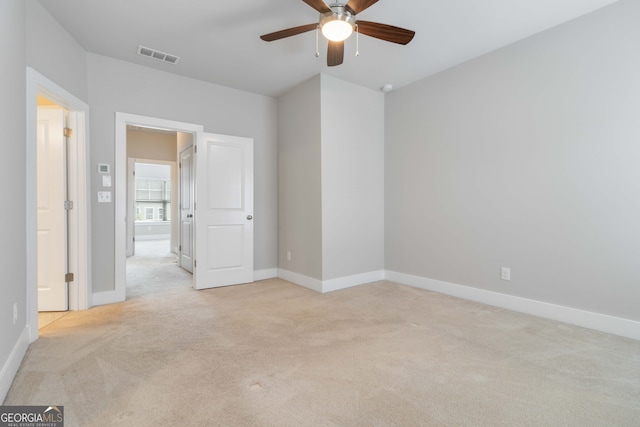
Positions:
(153, 269)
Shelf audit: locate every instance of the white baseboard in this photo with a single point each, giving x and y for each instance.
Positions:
(351, 281)
(300, 279)
(268, 273)
(331, 285)
(599, 322)
(11, 366)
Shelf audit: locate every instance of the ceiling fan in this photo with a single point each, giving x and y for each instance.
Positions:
(337, 22)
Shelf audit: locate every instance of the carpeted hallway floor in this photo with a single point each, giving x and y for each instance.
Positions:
(275, 354)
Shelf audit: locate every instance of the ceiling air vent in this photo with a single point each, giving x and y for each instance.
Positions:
(156, 54)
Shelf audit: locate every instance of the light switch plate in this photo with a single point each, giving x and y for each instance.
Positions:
(104, 196)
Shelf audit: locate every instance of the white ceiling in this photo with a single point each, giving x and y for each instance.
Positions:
(218, 41)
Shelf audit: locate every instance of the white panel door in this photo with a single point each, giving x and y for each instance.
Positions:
(224, 211)
(186, 208)
(52, 216)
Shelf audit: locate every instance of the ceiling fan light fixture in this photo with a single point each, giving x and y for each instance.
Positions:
(337, 25)
(337, 30)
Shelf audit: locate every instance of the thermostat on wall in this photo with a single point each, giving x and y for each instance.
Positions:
(103, 168)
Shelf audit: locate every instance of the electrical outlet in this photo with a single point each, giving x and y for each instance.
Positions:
(15, 313)
(288, 256)
(505, 273)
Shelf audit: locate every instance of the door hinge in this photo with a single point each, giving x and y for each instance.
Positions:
(68, 204)
(68, 277)
(180, 248)
(195, 263)
(195, 149)
(67, 132)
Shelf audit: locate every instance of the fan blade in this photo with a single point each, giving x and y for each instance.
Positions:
(385, 32)
(358, 6)
(318, 5)
(288, 32)
(335, 53)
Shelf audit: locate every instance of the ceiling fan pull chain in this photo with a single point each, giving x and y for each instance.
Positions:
(317, 48)
(357, 41)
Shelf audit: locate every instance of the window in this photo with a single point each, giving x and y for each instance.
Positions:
(148, 214)
(152, 190)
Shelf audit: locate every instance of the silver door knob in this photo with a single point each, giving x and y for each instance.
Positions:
(189, 216)
(249, 217)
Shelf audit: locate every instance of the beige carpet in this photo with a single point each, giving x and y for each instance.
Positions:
(275, 354)
(47, 317)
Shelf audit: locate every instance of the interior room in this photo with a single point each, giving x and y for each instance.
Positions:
(432, 222)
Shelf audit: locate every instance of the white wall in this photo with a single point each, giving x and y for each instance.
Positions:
(526, 158)
(117, 86)
(13, 339)
(153, 230)
(352, 179)
(299, 183)
(54, 53)
(331, 184)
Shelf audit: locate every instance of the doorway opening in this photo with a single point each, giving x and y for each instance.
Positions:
(125, 225)
(151, 206)
(152, 185)
(53, 210)
(76, 289)
(152, 232)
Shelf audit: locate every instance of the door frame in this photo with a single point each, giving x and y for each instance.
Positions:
(131, 161)
(120, 198)
(78, 192)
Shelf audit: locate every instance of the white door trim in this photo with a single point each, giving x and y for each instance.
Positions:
(80, 245)
(120, 197)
